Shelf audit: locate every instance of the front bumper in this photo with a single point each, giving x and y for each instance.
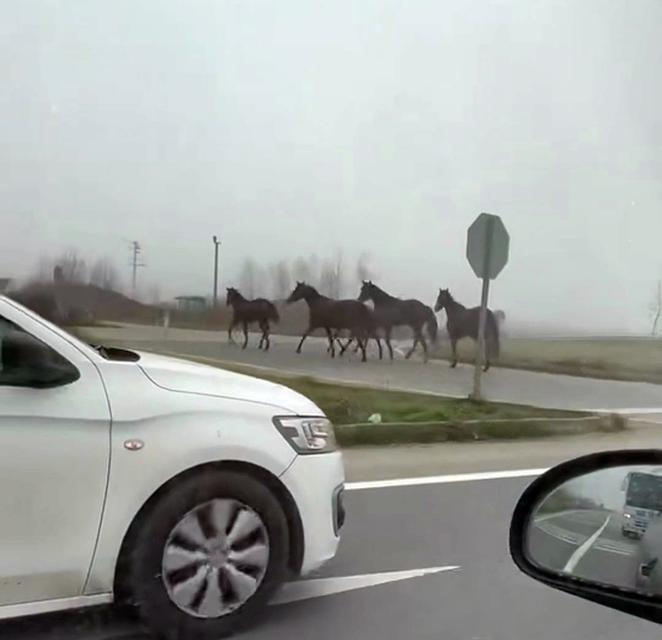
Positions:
(315, 482)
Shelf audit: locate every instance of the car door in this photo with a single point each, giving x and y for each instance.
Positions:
(54, 460)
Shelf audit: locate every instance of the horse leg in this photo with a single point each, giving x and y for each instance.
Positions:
(363, 342)
(233, 324)
(413, 346)
(267, 335)
(387, 337)
(264, 340)
(343, 347)
(454, 352)
(379, 346)
(303, 337)
(332, 346)
(245, 327)
(328, 348)
(421, 339)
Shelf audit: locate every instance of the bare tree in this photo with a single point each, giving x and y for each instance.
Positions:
(306, 269)
(104, 274)
(73, 267)
(43, 271)
(326, 279)
(363, 268)
(655, 307)
(248, 278)
(261, 281)
(154, 294)
(281, 281)
(332, 276)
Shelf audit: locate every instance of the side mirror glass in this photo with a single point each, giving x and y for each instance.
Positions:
(604, 527)
(28, 362)
(593, 527)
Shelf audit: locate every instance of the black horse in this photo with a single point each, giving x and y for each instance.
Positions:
(393, 312)
(246, 312)
(335, 315)
(462, 322)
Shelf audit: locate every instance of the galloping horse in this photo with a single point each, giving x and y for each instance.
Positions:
(462, 322)
(393, 312)
(335, 315)
(246, 312)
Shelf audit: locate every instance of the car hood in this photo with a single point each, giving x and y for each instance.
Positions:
(185, 376)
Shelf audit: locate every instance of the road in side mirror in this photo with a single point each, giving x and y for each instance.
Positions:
(603, 526)
(593, 527)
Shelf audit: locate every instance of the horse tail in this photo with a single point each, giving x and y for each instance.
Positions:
(272, 312)
(432, 325)
(492, 335)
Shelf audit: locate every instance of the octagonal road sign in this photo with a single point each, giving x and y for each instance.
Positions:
(487, 246)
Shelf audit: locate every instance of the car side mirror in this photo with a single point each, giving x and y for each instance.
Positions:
(592, 527)
(28, 362)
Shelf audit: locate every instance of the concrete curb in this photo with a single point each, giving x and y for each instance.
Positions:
(390, 433)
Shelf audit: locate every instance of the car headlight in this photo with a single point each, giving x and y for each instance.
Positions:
(627, 516)
(307, 435)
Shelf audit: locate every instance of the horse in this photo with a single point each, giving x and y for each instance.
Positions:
(344, 346)
(335, 315)
(462, 322)
(246, 312)
(394, 312)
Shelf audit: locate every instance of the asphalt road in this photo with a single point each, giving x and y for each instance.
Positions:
(401, 529)
(559, 539)
(507, 385)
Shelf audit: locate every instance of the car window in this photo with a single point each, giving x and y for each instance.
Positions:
(5, 328)
(14, 372)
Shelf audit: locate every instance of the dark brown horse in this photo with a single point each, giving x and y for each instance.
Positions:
(393, 312)
(462, 322)
(246, 312)
(335, 315)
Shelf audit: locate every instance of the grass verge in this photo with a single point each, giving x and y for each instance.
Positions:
(409, 418)
(631, 359)
(351, 404)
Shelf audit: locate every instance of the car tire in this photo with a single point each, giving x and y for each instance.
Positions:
(180, 603)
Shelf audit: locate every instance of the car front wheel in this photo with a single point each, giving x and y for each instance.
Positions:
(210, 555)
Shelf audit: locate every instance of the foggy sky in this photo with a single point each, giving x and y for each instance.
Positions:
(291, 127)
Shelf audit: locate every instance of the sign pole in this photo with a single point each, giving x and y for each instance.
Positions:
(480, 348)
(478, 368)
(216, 243)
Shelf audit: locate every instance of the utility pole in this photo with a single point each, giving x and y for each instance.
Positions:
(135, 263)
(217, 244)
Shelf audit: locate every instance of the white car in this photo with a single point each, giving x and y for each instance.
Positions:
(189, 491)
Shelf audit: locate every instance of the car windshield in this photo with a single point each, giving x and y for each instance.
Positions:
(426, 234)
(644, 491)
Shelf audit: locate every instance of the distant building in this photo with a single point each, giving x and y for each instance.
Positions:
(5, 283)
(191, 303)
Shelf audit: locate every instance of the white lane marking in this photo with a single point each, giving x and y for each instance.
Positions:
(549, 516)
(560, 534)
(609, 546)
(457, 477)
(583, 548)
(629, 410)
(318, 587)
